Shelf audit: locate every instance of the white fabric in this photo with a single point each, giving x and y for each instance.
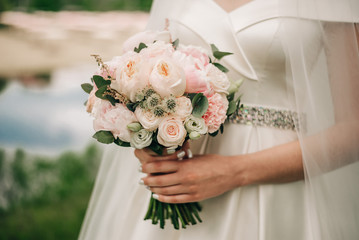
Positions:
(256, 34)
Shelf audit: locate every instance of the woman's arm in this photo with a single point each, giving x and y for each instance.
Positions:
(207, 176)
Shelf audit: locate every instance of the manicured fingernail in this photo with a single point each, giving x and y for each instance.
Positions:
(180, 155)
(141, 182)
(189, 153)
(171, 151)
(155, 196)
(140, 169)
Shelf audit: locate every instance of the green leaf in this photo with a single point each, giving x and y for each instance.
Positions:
(111, 99)
(214, 48)
(87, 87)
(99, 93)
(232, 107)
(221, 67)
(140, 47)
(156, 147)
(219, 55)
(200, 105)
(104, 137)
(175, 43)
(213, 134)
(230, 97)
(221, 129)
(100, 81)
(122, 143)
(132, 106)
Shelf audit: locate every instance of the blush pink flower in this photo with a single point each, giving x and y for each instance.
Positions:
(114, 119)
(216, 113)
(91, 100)
(171, 132)
(199, 55)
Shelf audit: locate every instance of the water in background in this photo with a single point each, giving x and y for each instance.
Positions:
(49, 119)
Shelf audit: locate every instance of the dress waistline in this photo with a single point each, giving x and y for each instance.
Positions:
(266, 117)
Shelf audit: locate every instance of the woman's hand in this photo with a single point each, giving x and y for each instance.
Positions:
(189, 180)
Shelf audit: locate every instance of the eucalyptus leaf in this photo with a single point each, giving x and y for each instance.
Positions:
(200, 105)
(140, 47)
(219, 55)
(214, 48)
(111, 99)
(100, 92)
(122, 143)
(232, 107)
(87, 87)
(100, 81)
(221, 67)
(105, 137)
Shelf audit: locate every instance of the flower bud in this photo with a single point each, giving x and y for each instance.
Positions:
(233, 88)
(134, 127)
(194, 135)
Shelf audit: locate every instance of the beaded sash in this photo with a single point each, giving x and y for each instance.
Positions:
(266, 117)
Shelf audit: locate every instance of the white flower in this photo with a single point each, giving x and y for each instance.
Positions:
(147, 119)
(167, 78)
(184, 107)
(171, 132)
(217, 79)
(132, 76)
(141, 139)
(194, 124)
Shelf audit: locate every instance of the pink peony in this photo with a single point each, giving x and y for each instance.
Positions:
(216, 113)
(199, 55)
(114, 119)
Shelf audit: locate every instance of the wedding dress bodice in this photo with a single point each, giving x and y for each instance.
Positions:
(250, 32)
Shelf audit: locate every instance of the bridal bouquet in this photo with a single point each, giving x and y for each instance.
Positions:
(158, 94)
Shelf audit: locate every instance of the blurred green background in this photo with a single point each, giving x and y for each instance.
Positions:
(48, 162)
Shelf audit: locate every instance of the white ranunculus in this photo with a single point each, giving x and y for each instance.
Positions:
(194, 124)
(167, 78)
(217, 79)
(183, 107)
(147, 119)
(171, 132)
(141, 139)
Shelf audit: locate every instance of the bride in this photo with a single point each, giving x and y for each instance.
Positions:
(286, 166)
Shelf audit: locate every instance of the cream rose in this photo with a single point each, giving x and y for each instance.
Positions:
(141, 139)
(218, 80)
(171, 132)
(132, 76)
(147, 119)
(183, 107)
(167, 78)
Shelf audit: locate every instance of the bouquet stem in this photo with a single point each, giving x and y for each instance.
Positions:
(186, 213)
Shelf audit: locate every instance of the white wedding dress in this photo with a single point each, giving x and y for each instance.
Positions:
(256, 212)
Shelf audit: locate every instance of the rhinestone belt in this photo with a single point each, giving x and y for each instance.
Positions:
(266, 117)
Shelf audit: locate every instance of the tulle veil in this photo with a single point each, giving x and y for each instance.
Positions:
(320, 39)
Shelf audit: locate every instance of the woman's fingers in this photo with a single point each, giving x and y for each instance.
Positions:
(144, 156)
(160, 167)
(180, 198)
(164, 180)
